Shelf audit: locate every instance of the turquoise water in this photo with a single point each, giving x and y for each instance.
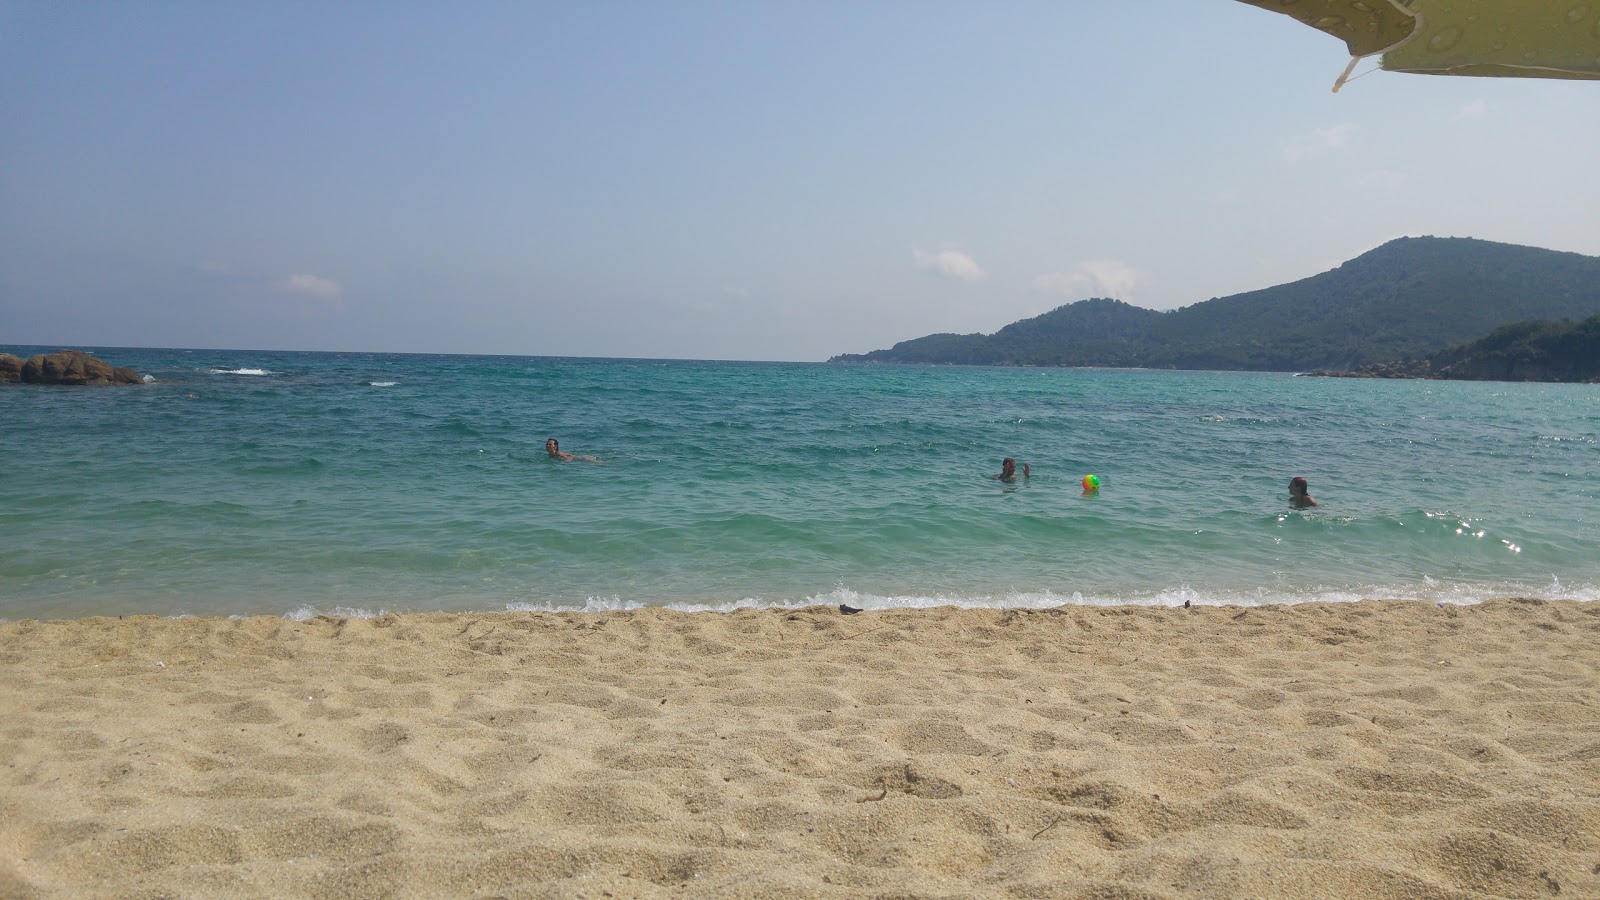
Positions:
(287, 483)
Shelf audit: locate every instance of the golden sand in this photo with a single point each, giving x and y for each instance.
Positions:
(1377, 749)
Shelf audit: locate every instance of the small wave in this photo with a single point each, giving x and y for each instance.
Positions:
(242, 372)
(1218, 419)
(149, 379)
(308, 612)
(617, 604)
(456, 426)
(1427, 591)
(280, 466)
(382, 383)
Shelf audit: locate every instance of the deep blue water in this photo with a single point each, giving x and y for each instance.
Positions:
(255, 482)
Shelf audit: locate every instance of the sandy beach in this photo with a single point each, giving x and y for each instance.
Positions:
(1375, 749)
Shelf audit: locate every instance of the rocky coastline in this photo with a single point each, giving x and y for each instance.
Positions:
(67, 367)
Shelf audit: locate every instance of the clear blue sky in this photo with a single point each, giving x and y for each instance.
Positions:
(723, 180)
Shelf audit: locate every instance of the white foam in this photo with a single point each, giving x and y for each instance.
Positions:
(307, 613)
(149, 379)
(243, 372)
(383, 383)
(617, 604)
(1429, 591)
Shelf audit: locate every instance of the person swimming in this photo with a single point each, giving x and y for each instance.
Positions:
(553, 447)
(1008, 470)
(1298, 498)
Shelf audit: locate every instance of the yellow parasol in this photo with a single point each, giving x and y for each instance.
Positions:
(1515, 38)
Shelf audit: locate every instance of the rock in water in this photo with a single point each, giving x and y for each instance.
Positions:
(10, 367)
(75, 367)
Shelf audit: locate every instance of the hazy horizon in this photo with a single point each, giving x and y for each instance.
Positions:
(714, 181)
(360, 350)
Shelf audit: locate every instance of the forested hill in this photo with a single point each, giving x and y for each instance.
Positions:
(1408, 298)
(1525, 351)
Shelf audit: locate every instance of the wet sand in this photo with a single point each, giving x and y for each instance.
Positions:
(1376, 749)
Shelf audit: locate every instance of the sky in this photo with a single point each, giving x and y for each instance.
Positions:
(719, 180)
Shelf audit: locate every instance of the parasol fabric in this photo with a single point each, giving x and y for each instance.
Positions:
(1517, 38)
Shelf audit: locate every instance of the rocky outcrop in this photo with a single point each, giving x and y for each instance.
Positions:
(75, 367)
(10, 367)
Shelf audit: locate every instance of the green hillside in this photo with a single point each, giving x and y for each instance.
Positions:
(1523, 351)
(1086, 333)
(1407, 298)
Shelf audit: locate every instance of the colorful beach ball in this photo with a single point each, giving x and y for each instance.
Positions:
(1091, 482)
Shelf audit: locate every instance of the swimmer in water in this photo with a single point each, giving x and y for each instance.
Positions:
(1008, 470)
(553, 447)
(1298, 498)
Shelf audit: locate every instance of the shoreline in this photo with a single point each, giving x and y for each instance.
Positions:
(1433, 593)
(1371, 748)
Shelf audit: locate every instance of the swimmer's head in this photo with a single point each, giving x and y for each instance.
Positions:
(1298, 486)
(1008, 464)
(552, 445)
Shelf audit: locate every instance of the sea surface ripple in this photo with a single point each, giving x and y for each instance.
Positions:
(247, 482)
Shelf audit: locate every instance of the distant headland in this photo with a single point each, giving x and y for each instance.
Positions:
(1404, 300)
(1524, 351)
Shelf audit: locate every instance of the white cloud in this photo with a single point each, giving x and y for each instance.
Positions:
(1093, 278)
(313, 286)
(1476, 109)
(1319, 142)
(951, 263)
(247, 285)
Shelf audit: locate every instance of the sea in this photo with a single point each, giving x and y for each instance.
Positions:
(296, 484)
